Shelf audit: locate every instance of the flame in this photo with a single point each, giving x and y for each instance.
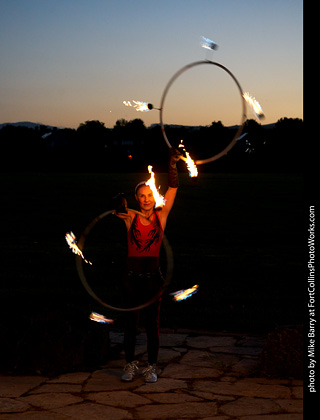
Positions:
(94, 316)
(192, 168)
(72, 242)
(160, 201)
(139, 106)
(184, 294)
(256, 107)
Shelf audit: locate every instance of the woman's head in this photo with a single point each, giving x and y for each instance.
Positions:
(144, 196)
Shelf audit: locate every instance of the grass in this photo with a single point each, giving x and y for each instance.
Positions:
(239, 236)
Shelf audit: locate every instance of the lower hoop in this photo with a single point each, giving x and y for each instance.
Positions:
(243, 118)
(79, 265)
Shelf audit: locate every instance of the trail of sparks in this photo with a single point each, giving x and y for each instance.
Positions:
(256, 107)
(72, 242)
(94, 316)
(192, 168)
(139, 106)
(184, 294)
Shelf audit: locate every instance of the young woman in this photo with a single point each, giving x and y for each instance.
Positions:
(143, 279)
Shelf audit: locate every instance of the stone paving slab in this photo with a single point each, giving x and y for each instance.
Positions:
(120, 399)
(94, 412)
(250, 406)
(9, 405)
(50, 401)
(273, 417)
(179, 371)
(201, 358)
(244, 388)
(71, 378)
(14, 386)
(164, 385)
(202, 342)
(175, 411)
(57, 388)
(201, 377)
(172, 398)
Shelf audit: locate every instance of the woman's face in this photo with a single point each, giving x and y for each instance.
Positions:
(145, 198)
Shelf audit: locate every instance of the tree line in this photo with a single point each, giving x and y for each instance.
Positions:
(130, 146)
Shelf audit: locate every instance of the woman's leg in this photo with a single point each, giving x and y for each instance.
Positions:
(152, 314)
(130, 330)
(131, 317)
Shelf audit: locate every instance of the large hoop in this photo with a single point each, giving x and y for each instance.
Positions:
(79, 265)
(243, 117)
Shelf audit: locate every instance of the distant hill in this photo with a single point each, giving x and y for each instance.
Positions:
(27, 124)
(34, 125)
(197, 127)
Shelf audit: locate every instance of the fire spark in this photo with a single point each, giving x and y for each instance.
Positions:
(94, 316)
(192, 168)
(139, 106)
(72, 242)
(185, 293)
(256, 107)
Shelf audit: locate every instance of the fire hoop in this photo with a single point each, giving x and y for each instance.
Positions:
(243, 118)
(79, 265)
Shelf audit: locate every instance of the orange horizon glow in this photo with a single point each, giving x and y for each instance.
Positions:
(63, 66)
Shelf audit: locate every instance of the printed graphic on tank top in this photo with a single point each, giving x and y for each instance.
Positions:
(145, 240)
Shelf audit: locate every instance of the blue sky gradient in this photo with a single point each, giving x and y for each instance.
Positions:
(66, 62)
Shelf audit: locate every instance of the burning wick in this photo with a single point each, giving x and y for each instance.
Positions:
(72, 242)
(184, 294)
(94, 316)
(160, 201)
(256, 107)
(139, 106)
(208, 44)
(192, 168)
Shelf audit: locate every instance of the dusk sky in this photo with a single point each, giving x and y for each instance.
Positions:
(64, 62)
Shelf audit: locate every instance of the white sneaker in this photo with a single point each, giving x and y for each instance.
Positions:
(130, 371)
(149, 373)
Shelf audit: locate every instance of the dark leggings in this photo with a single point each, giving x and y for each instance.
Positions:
(152, 329)
(139, 289)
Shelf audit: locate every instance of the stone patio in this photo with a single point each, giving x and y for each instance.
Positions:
(201, 376)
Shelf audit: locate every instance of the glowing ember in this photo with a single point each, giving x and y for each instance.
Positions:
(72, 242)
(192, 168)
(139, 106)
(208, 44)
(94, 316)
(256, 107)
(184, 294)
(160, 201)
